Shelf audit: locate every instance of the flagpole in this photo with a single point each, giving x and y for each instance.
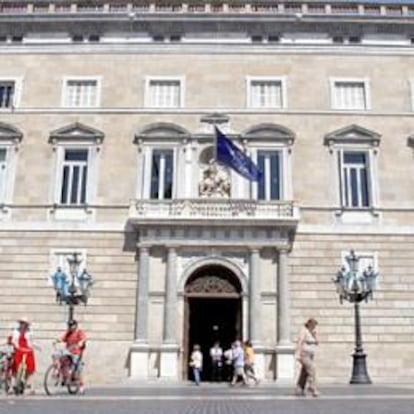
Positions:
(215, 142)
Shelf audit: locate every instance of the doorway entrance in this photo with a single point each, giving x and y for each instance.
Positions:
(213, 312)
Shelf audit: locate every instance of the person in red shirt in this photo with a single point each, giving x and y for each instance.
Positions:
(21, 340)
(75, 340)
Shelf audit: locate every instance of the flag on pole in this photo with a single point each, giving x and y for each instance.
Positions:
(231, 156)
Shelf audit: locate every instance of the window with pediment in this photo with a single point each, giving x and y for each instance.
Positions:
(354, 153)
(158, 161)
(10, 138)
(271, 147)
(76, 161)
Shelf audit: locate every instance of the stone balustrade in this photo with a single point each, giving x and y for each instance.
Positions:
(208, 209)
(310, 8)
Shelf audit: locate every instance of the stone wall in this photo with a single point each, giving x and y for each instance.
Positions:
(386, 321)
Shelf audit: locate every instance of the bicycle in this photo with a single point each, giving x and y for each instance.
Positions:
(6, 363)
(62, 373)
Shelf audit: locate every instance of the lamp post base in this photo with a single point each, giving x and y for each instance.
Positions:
(359, 370)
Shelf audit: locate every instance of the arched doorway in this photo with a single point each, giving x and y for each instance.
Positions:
(213, 312)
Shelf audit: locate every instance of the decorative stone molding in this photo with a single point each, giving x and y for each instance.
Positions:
(78, 133)
(211, 285)
(352, 135)
(269, 131)
(10, 134)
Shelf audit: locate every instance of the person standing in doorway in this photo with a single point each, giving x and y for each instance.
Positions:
(216, 355)
(196, 363)
(305, 351)
(228, 364)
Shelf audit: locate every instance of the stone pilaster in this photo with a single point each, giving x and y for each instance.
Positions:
(139, 350)
(255, 320)
(254, 298)
(169, 349)
(285, 361)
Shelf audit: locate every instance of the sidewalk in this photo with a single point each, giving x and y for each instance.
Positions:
(266, 390)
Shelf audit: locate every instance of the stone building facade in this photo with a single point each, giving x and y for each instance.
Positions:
(107, 116)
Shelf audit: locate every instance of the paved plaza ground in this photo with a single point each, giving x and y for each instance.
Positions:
(131, 397)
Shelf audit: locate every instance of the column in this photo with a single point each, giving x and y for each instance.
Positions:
(284, 349)
(283, 300)
(255, 320)
(170, 309)
(139, 352)
(141, 317)
(254, 298)
(169, 349)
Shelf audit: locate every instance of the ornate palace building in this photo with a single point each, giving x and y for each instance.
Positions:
(107, 148)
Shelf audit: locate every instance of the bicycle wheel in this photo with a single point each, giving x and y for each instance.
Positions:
(74, 384)
(7, 381)
(53, 380)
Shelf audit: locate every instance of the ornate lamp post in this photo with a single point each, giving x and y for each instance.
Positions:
(72, 289)
(354, 286)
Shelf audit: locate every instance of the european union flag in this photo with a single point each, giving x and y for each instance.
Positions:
(231, 156)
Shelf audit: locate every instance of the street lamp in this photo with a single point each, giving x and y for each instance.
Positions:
(72, 289)
(354, 286)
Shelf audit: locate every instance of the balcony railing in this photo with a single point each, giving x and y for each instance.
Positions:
(282, 7)
(213, 209)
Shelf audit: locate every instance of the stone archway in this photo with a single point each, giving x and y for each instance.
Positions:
(213, 312)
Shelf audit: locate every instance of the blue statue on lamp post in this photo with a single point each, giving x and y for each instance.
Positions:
(74, 288)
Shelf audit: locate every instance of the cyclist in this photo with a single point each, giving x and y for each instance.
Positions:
(75, 340)
(21, 339)
(6, 361)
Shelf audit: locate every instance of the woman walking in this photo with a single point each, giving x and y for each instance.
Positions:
(305, 350)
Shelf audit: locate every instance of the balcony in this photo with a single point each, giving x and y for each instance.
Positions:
(213, 212)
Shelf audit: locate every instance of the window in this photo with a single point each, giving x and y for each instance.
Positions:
(269, 145)
(77, 149)
(10, 139)
(354, 179)
(164, 93)
(354, 151)
(411, 84)
(365, 259)
(74, 177)
(162, 156)
(6, 94)
(162, 172)
(266, 93)
(60, 257)
(349, 94)
(81, 93)
(9, 92)
(269, 186)
(3, 171)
